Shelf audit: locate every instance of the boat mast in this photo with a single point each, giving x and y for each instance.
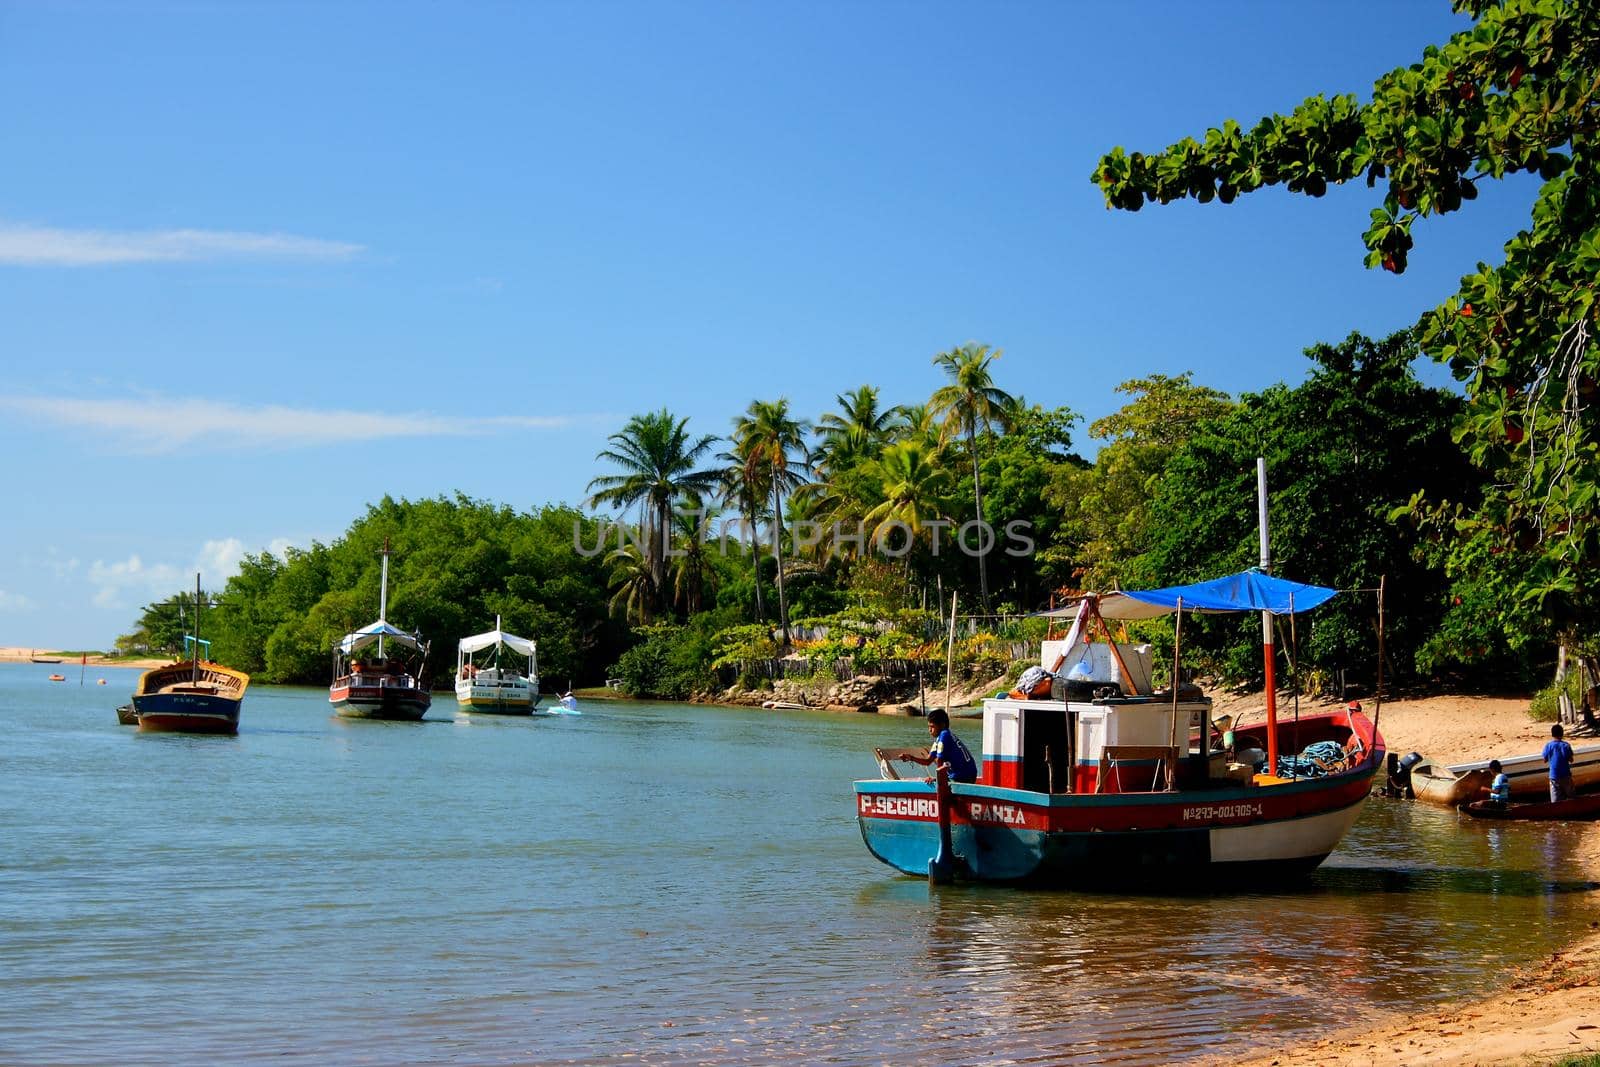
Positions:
(1266, 619)
(383, 598)
(194, 663)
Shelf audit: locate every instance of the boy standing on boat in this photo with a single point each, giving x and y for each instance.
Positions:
(1558, 754)
(946, 751)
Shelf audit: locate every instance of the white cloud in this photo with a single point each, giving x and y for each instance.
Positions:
(155, 424)
(14, 601)
(131, 576)
(220, 559)
(47, 246)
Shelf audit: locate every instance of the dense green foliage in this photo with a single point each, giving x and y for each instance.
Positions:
(455, 565)
(1519, 92)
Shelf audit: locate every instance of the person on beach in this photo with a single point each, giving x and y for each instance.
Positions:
(1558, 754)
(946, 751)
(1500, 787)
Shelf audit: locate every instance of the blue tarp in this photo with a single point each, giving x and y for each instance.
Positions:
(1248, 591)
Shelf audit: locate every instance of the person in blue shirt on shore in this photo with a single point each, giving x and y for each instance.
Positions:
(946, 751)
(1558, 754)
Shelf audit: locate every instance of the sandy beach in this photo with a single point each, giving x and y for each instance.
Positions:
(1549, 1008)
(23, 654)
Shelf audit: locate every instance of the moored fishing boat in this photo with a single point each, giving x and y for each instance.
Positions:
(1107, 781)
(499, 687)
(1528, 774)
(381, 687)
(193, 696)
(1119, 786)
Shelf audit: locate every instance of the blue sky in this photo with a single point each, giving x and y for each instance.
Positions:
(301, 255)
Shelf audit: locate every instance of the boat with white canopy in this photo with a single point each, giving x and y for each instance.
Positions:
(506, 682)
(380, 687)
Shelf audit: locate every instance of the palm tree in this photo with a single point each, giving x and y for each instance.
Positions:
(658, 458)
(855, 434)
(691, 568)
(767, 439)
(745, 494)
(634, 579)
(971, 402)
(915, 487)
(917, 422)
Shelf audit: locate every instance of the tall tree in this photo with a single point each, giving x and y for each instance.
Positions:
(634, 581)
(854, 434)
(1107, 507)
(772, 444)
(691, 567)
(659, 460)
(916, 491)
(972, 404)
(744, 491)
(1514, 93)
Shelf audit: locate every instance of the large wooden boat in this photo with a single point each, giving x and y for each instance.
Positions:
(499, 686)
(1109, 782)
(195, 696)
(1529, 776)
(1120, 788)
(191, 696)
(379, 687)
(1584, 807)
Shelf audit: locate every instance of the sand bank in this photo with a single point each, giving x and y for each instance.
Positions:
(22, 654)
(1453, 729)
(1550, 1007)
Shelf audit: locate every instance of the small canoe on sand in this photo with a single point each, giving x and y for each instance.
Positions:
(1584, 807)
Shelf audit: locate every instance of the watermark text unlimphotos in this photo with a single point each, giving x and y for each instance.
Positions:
(892, 539)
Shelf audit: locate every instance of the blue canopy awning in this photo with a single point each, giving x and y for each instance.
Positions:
(1247, 591)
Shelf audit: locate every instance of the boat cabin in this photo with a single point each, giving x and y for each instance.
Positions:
(1105, 729)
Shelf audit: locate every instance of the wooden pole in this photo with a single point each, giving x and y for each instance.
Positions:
(1268, 656)
(1205, 727)
(1377, 700)
(950, 653)
(1116, 654)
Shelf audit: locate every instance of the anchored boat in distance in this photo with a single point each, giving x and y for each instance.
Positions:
(499, 686)
(197, 696)
(380, 687)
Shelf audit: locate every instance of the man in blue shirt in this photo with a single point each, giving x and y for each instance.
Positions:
(1558, 754)
(946, 751)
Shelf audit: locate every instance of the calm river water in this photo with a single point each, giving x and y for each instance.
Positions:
(652, 883)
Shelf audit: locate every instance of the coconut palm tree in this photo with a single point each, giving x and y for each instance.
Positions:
(691, 568)
(916, 488)
(855, 434)
(970, 403)
(633, 578)
(746, 496)
(658, 458)
(917, 422)
(772, 445)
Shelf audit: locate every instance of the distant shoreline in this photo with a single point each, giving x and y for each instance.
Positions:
(24, 654)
